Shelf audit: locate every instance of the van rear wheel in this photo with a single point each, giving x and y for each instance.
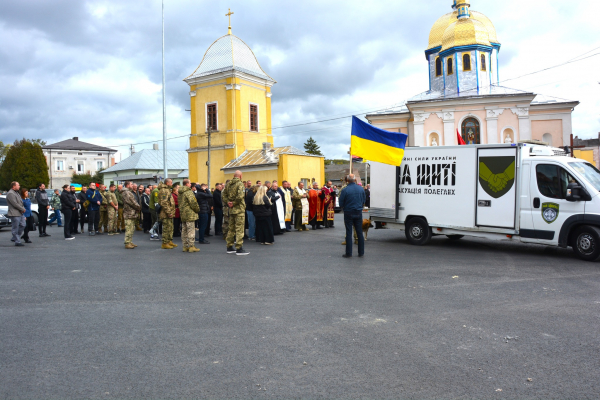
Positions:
(418, 231)
(586, 243)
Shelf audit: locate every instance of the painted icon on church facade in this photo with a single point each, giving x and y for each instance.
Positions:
(471, 131)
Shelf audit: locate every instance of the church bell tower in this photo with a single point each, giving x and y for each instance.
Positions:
(230, 98)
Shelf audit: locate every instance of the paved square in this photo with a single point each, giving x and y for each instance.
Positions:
(462, 319)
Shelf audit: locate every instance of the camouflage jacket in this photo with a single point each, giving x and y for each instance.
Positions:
(104, 202)
(120, 197)
(110, 198)
(130, 206)
(167, 203)
(234, 192)
(297, 199)
(188, 206)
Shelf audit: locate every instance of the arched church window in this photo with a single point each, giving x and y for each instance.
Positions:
(470, 131)
(450, 66)
(438, 66)
(466, 62)
(483, 65)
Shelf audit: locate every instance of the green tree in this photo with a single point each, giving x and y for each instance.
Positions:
(311, 147)
(3, 150)
(24, 163)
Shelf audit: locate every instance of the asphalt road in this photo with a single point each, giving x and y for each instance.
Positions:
(463, 319)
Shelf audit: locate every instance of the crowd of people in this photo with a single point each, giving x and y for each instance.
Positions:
(242, 210)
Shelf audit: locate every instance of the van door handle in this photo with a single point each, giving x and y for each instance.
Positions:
(536, 202)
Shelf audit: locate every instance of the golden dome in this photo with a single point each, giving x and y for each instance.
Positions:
(439, 28)
(465, 32)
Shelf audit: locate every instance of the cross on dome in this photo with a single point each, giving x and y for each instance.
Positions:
(229, 14)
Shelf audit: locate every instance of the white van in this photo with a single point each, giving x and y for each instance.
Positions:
(519, 192)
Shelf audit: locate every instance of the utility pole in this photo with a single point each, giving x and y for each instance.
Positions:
(208, 162)
(350, 152)
(165, 171)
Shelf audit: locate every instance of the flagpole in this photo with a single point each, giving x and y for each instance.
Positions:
(165, 169)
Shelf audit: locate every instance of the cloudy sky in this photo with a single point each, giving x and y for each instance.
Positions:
(92, 68)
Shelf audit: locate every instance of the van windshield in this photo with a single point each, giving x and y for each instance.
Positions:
(589, 172)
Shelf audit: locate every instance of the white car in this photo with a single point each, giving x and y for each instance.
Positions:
(4, 211)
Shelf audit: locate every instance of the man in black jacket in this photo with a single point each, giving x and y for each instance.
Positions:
(218, 209)
(41, 197)
(83, 217)
(68, 203)
(202, 197)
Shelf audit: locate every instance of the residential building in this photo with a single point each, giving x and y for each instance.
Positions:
(146, 166)
(72, 156)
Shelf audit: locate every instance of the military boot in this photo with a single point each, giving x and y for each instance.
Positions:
(137, 228)
(129, 246)
(193, 249)
(185, 249)
(166, 246)
(173, 245)
(134, 245)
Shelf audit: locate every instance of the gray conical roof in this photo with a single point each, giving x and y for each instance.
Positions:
(229, 53)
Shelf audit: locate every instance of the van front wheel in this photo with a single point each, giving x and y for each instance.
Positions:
(418, 231)
(586, 243)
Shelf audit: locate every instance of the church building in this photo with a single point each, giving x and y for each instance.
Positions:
(230, 97)
(465, 94)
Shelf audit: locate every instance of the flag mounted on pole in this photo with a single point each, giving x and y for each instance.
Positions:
(461, 142)
(374, 144)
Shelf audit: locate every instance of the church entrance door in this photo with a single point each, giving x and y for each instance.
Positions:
(471, 131)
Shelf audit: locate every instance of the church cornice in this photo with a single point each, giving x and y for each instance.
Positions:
(228, 74)
(470, 47)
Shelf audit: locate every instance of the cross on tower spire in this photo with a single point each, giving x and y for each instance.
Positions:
(229, 14)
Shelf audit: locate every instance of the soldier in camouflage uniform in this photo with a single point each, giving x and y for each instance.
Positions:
(188, 211)
(225, 211)
(103, 225)
(130, 210)
(167, 213)
(120, 219)
(234, 195)
(113, 208)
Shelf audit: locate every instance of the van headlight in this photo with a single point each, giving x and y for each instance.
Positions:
(1, 215)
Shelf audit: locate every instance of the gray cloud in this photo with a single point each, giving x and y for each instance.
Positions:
(92, 68)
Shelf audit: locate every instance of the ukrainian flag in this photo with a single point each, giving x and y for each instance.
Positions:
(377, 145)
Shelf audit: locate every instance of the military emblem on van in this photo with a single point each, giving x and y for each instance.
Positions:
(497, 175)
(550, 212)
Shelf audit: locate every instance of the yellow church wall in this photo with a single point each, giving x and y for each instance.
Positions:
(199, 170)
(213, 92)
(587, 155)
(267, 175)
(295, 168)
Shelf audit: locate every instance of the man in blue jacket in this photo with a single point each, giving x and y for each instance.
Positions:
(95, 198)
(352, 200)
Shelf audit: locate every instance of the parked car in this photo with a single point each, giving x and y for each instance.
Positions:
(4, 211)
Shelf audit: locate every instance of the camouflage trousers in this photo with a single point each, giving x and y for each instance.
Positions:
(235, 233)
(129, 228)
(120, 220)
(225, 221)
(188, 234)
(112, 220)
(167, 230)
(103, 224)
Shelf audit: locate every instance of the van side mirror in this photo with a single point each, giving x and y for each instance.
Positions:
(576, 192)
